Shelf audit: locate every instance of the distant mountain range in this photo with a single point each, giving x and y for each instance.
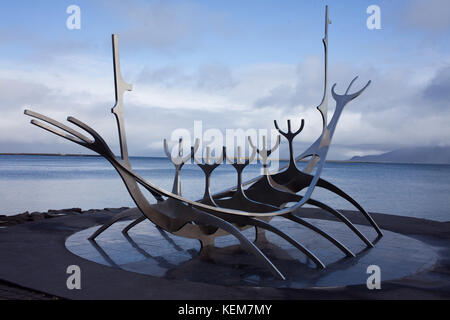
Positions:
(410, 155)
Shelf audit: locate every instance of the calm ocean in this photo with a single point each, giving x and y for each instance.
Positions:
(39, 183)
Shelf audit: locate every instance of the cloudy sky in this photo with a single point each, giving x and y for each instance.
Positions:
(231, 64)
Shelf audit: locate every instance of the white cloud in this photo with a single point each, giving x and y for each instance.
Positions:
(396, 110)
(428, 15)
(164, 25)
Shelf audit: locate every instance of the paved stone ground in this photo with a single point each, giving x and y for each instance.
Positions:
(41, 244)
(11, 291)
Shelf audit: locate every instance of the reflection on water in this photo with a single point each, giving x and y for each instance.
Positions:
(149, 250)
(39, 183)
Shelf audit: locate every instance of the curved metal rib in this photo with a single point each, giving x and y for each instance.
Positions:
(117, 217)
(133, 224)
(341, 217)
(259, 224)
(259, 191)
(266, 226)
(267, 192)
(334, 241)
(208, 169)
(209, 219)
(331, 187)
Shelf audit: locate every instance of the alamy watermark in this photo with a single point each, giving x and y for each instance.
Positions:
(74, 280)
(73, 21)
(374, 280)
(374, 20)
(233, 139)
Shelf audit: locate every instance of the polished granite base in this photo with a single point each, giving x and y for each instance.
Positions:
(149, 250)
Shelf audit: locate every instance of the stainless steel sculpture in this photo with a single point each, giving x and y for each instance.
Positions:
(235, 209)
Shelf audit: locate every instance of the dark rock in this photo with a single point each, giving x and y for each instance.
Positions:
(91, 211)
(71, 210)
(116, 209)
(24, 215)
(35, 216)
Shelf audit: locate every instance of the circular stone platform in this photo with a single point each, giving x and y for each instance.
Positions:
(149, 250)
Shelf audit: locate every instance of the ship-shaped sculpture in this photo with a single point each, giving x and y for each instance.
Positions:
(248, 204)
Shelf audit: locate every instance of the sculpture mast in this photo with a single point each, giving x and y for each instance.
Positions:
(120, 87)
(323, 106)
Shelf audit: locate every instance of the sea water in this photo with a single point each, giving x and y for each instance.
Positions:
(39, 183)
